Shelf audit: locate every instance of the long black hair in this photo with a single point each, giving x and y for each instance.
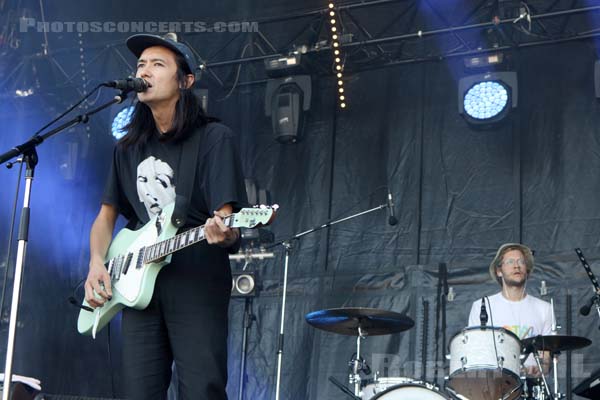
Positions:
(188, 114)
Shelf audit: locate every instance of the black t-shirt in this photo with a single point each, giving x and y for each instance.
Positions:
(144, 179)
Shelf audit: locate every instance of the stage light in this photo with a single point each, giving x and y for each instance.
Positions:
(284, 66)
(286, 100)
(336, 51)
(24, 92)
(487, 98)
(120, 121)
(484, 61)
(243, 285)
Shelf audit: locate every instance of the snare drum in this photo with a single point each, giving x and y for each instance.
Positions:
(485, 364)
(412, 391)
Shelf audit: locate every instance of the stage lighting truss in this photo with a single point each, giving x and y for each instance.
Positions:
(487, 98)
(120, 121)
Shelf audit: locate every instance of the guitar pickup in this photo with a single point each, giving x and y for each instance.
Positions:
(118, 267)
(127, 262)
(140, 259)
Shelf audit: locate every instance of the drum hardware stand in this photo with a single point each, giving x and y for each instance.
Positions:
(30, 158)
(287, 245)
(507, 396)
(248, 318)
(544, 381)
(343, 388)
(555, 329)
(358, 365)
(247, 256)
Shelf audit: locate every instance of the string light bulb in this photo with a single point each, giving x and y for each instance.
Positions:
(337, 53)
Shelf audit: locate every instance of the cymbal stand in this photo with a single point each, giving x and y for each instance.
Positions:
(544, 381)
(555, 328)
(287, 245)
(357, 364)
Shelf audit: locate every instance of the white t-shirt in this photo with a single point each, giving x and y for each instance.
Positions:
(526, 318)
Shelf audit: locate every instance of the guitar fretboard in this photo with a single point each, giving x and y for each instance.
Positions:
(164, 248)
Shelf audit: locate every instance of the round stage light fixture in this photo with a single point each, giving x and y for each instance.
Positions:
(120, 121)
(486, 100)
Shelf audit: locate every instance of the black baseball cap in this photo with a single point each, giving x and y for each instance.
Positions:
(138, 43)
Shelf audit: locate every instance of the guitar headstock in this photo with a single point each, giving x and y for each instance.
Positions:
(254, 217)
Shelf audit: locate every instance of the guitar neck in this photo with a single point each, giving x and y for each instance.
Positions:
(165, 247)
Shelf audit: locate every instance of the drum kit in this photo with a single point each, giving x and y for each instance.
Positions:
(485, 362)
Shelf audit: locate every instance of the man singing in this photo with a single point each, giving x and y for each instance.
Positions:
(186, 320)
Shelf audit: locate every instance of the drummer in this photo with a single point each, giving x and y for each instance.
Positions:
(512, 308)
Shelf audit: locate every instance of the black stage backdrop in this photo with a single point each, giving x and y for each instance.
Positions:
(459, 194)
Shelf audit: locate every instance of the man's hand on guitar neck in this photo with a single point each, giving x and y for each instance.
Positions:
(216, 232)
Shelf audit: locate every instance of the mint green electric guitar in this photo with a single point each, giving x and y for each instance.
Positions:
(135, 258)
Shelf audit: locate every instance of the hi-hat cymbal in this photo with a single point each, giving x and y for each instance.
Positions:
(371, 321)
(554, 343)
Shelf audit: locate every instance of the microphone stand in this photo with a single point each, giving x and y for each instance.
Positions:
(595, 300)
(287, 245)
(596, 303)
(28, 151)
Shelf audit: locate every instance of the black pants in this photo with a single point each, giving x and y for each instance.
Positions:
(186, 321)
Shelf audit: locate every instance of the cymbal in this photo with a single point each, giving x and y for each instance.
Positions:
(372, 321)
(554, 343)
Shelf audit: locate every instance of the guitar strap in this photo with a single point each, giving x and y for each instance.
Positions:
(188, 164)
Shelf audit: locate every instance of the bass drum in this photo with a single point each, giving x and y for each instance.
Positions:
(412, 391)
(379, 385)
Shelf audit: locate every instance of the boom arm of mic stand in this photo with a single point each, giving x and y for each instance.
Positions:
(326, 225)
(38, 139)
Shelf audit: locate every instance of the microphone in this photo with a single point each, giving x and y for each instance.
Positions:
(392, 220)
(136, 84)
(483, 317)
(585, 309)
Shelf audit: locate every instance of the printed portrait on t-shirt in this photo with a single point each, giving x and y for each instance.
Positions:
(155, 185)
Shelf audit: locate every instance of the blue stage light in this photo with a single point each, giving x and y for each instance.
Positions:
(120, 121)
